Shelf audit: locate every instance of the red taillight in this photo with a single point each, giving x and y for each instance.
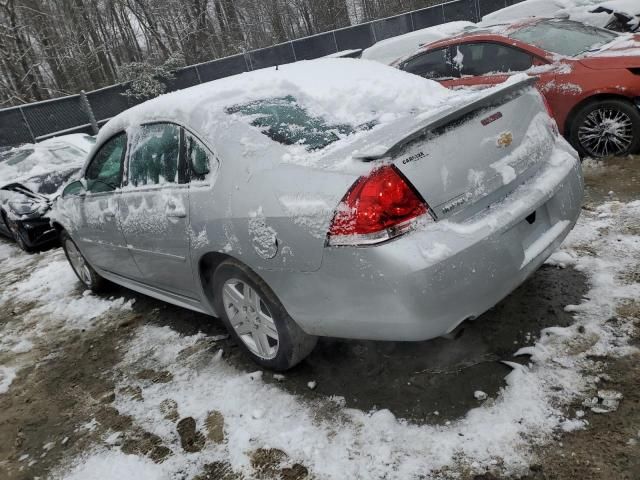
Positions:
(378, 207)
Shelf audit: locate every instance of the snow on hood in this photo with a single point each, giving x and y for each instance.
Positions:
(345, 91)
(47, 157)
(389, 50)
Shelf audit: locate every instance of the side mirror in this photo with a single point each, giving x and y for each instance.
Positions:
(74, 188)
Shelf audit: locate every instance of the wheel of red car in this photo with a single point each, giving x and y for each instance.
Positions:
(257, 320)
(85, 272)
(606, 128)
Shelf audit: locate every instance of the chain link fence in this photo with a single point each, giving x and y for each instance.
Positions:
(86, 112)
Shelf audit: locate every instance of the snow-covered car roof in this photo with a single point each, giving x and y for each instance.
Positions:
(343, 91)
(389, 50)
(592, 12)
(47, 157)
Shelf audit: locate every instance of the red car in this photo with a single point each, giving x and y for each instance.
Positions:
(589, 76)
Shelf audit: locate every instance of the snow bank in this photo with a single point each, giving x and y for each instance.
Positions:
(54, 288)
(117, 465)
(7, 375)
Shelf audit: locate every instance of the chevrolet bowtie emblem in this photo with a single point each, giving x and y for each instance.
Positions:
(505, 139)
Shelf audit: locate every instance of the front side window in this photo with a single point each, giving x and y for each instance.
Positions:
(485, 58)
(104, 173)
(564, 36)
(287, 122)
(433, 65)
(155, 155)
(199, 157)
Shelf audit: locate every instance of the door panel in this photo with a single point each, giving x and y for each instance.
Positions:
(155, 224)
(98, 234)
(154, 209)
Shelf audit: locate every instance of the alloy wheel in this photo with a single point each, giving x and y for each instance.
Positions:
(606, 131)
(250, 318)
(78, 262)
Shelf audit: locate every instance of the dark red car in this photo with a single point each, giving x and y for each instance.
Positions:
(589, 76)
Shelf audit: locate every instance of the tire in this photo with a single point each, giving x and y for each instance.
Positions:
(259, 323)
(589, 126)
(21, 243)
(85, 272)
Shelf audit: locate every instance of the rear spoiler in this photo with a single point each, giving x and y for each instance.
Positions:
(435, 124)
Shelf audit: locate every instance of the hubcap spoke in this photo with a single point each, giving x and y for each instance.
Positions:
(268, 326)
(251, 298)
(262, 343)
(233, 296)
(605, 132)
(250, 318)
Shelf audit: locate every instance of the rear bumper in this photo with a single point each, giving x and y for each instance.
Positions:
(425, 283)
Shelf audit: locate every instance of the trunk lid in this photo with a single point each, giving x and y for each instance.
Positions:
(464, 160)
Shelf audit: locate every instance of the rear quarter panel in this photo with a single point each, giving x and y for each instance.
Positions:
(267, 213)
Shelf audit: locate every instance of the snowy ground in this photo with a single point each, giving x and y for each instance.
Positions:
(122, 386)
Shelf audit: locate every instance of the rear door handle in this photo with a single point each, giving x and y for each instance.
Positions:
(176, 214)
(173, 211)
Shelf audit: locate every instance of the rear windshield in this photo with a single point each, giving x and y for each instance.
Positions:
(564, 37)
(285, 121)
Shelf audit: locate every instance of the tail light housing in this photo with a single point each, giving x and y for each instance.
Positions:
(378, 207)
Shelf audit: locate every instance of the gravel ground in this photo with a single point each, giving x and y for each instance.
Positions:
(64, 397)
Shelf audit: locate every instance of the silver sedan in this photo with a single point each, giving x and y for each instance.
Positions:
(327, 198)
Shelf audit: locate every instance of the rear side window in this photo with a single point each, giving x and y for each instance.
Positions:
(155, 155)
(199, 157)
(485, 58)
(432, 65)
(285, 121)
(104, 173)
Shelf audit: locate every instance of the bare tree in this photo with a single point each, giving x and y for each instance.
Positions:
(56, 47)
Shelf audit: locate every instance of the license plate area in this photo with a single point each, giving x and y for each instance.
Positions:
(534, 226)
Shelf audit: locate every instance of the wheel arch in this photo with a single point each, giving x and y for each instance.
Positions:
(207, 265)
